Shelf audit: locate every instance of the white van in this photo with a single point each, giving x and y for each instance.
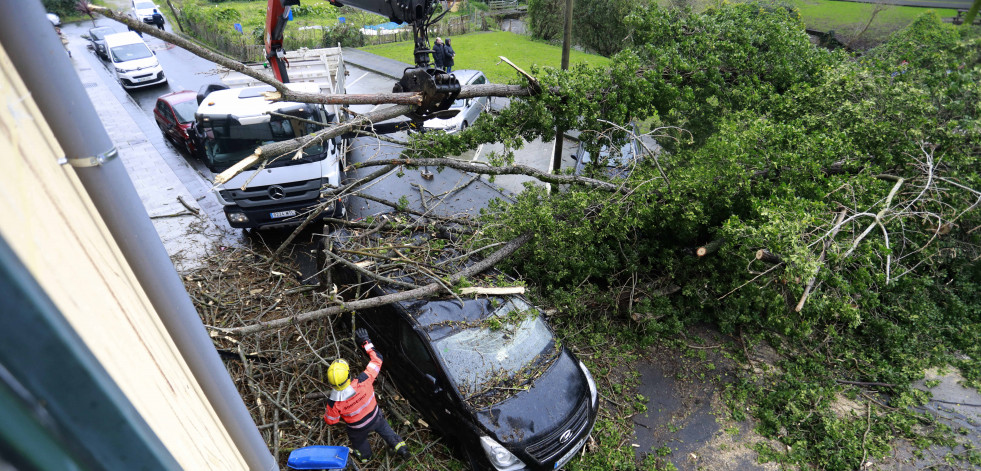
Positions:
(135, 64)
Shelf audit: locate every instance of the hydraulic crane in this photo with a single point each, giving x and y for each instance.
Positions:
(438, 88)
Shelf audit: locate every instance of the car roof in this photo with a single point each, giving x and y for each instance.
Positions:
(179, 96)
(249, 101)
(126, 37)
(441, 317)
(466, 76)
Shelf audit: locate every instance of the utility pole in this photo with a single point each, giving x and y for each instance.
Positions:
(566, 46)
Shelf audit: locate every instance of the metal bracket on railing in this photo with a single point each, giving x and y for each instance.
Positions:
(91, 161)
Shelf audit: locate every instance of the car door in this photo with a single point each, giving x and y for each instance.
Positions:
(427, 382)
(165, 118)
(381, 323)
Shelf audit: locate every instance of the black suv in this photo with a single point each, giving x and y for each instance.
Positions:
(487, 373)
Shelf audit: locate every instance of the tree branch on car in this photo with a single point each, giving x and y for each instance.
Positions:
(423, 292)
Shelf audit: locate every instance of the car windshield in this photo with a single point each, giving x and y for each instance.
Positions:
(227, 141)
(185, 110)
(144, 6)
(100, 33)
(130, 52)
(621, 158)
(497, 349)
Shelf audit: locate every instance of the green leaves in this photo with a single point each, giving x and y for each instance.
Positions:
(860, 173)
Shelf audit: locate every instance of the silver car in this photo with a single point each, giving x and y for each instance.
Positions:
(469, 109)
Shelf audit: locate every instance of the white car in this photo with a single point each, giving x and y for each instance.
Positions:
(469, 109)
(134, 63)
(54, 19)
(143, 10)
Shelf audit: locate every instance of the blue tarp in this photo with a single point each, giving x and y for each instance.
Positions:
(389, 25)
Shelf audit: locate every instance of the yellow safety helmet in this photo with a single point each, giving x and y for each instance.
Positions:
(337, 374)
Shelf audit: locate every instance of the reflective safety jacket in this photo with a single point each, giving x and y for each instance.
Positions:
(358, 410)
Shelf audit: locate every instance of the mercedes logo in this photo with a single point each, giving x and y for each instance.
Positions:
(565, 436)
(277, 192)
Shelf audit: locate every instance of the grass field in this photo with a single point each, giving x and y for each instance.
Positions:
(481, 50)
(825, 15)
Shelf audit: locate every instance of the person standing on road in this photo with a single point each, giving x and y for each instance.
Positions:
(448, 54)
(439, 53)
(354, 402)
(158, 19)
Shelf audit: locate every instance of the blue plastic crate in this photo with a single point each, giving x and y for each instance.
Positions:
(318, 457)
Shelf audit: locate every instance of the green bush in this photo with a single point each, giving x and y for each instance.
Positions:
(345, 34)
(61, 7)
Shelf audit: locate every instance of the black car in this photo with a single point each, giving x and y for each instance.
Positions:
(97, 39)
(486, 372)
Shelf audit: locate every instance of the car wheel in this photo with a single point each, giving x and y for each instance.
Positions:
(463, 127)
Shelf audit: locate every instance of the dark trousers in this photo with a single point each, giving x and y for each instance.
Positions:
(359, 436)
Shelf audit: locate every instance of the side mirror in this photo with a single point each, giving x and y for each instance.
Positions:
(436, 388)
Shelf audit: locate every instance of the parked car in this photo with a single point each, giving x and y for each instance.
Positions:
(486, 372)
(143, 10)
(615, 162)
(97, 38)
(174, 114)
(133, 61)
(468, 109)
(54, 19)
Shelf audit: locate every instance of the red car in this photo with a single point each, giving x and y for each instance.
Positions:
(174, 114)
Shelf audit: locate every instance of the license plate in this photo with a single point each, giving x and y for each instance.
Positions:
(282, 214)
(142, 79)
(568, 456)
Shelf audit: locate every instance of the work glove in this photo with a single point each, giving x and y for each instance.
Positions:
(361, 336)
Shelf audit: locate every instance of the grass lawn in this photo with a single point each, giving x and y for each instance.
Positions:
(827, 15)
(481, 50)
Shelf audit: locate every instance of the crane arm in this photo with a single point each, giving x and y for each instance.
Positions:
(277, 14)
(439, 89)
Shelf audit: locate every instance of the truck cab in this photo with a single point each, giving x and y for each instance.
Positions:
(283, 190)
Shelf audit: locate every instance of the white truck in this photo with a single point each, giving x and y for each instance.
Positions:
(233, 119)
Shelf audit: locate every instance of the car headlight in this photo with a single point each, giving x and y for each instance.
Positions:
(500, 457)
(238, 218)
(120, 70)
(593, 393)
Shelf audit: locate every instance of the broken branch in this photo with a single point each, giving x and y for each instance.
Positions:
(426, 291)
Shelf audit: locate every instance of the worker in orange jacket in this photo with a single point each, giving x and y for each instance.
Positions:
(354, 403)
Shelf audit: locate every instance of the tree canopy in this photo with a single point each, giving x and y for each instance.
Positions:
(839, 193)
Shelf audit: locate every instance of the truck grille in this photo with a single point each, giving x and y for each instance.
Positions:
(282, 193)
(549, 447)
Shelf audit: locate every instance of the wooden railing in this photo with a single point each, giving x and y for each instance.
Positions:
(502, 4)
